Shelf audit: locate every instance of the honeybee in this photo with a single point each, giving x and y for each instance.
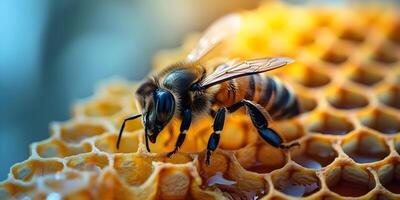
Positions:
(187, 90)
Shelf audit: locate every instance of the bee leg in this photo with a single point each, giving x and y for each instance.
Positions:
(186, 121)
(219, 121)
(261, 123)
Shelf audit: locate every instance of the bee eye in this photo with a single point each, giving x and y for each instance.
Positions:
(164, 105)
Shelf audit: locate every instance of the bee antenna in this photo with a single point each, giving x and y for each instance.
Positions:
(123, 126)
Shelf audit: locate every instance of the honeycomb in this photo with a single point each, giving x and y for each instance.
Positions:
(346, 74)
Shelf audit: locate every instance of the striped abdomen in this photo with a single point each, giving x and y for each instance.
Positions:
(269, 92)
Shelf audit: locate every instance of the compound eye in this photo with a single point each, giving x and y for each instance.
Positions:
(164, 105)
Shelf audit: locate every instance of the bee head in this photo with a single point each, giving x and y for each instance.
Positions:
(159, 112)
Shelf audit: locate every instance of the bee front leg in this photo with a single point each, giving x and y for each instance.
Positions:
(219, 121)
(186, 121)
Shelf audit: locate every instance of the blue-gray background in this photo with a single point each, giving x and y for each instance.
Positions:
(54, 52)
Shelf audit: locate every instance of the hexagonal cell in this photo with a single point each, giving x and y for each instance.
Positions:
(28, 170)
(9, 190)
(88, 162)
(129, 143)
(391, 96)
(365, 76)
(310, 76)
(174, 184)
(314, 153)
(78, 131)
(385, 54)
(102, 108)
(261, 158)
(343, 98)
(330, 124)
(307, 103)
(127, 166)
(335, 55)
(56, 148)
(289, 129)
(389, 175)
(65, 182)
(229, 178)
(237, 133)
(349, 180)
(365, 147)
(381, 121)
(353, 34)
(296, 182)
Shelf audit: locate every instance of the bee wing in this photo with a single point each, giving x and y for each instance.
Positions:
(234, 69)
(223, 28)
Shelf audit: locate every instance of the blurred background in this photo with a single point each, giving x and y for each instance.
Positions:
(54, 52)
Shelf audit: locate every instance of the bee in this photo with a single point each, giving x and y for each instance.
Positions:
(187, 91)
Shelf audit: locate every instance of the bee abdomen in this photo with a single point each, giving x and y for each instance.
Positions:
(278, 99)
(269, 92)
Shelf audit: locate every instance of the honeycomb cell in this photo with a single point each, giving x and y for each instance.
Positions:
(391, 96)
(330, 124)
(335, 55)
(238, 134)
(381, 121)
(365, 76)
(307, 103)
(88, 162)
(314, 153)
(389, 175)
(343, 98)
(349, 180)
(56, 148)
(174, 184)
(102, 108)
(365, 147)
(261, 158)
(296, 182)
(310, 76)
(385, 54)
(352, 34)
(61, 182)
(127, 166)
(290, 130)
(78, 131)
(229, 178)
(30, 169)
(108, 143)
(16, 191)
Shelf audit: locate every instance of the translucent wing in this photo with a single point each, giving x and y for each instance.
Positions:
(223, 28)
(234, 69)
